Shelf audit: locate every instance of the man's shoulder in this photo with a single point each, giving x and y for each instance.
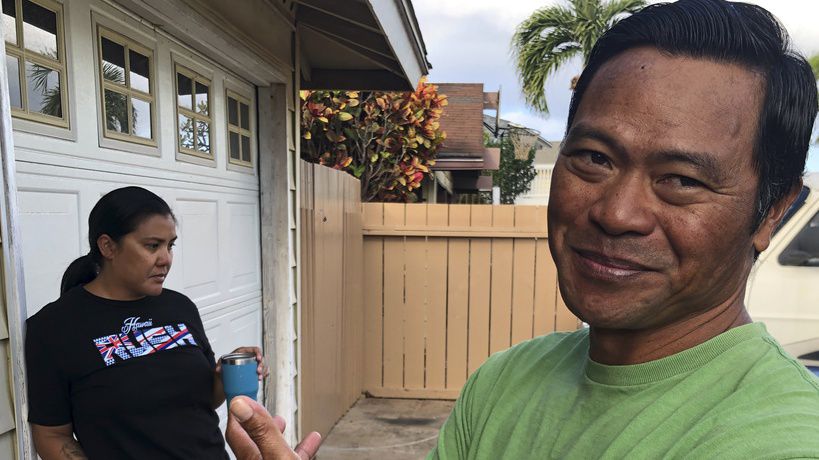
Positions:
(536, 352)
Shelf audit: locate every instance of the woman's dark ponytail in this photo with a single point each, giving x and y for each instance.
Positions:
(83, 270)
(116, 214)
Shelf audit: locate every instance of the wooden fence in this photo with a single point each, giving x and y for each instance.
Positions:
(448, 285)
(331, 302)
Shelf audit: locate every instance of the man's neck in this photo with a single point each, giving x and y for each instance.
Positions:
(624, 346)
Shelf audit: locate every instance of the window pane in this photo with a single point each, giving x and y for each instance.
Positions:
(202, 136)
(116, 111)
(113, 65)
(245, 148)
(245, 116)
(804, 249)
(140, 71)
(202, 98)
(233, 112)
(183, 91)
(13, 69)
(141, 118)
(39, 29)
(185, 132)
(9, 21)
(43, 90)
(234, 146)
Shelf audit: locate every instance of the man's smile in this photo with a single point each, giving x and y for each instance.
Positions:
(603, 267)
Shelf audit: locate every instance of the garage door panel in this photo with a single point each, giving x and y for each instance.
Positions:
(196, 258)
(244, 247)
(50, 224)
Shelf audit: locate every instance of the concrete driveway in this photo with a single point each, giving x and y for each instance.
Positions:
(395, 429)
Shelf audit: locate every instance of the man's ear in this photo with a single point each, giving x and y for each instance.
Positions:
(107, 246)
(763, 235)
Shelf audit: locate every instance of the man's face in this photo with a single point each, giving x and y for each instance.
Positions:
(653, 194)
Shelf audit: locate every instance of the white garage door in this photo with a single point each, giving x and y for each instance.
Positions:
(63, 171)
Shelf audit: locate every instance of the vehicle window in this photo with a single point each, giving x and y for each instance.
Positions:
(797, 204)
(803, 251)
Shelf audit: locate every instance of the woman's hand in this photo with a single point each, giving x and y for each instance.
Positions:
(219, 390)
(262, 369)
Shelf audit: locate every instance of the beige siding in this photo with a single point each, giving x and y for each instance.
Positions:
(7, 424)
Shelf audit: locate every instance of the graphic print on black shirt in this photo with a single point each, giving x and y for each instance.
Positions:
(133, 378)
(133, 341)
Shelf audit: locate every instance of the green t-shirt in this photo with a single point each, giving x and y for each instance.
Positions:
(736, 396)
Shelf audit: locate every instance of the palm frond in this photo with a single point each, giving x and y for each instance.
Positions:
(615, 10)
(552, 35)
(541, 22)
(539, 59)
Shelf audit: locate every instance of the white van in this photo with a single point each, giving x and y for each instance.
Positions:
(783, 289)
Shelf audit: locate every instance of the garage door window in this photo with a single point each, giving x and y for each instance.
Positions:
(240, 131)
(35, 60)
(193, 113)
(126, 81)
(804, 249)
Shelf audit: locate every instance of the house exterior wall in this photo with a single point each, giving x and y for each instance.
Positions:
(187, 31)
(463, 118)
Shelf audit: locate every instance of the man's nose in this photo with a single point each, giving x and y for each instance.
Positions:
(625, 207)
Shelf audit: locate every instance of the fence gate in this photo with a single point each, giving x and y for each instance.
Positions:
(448, 285)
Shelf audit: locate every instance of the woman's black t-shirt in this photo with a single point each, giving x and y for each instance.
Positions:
(135, 378)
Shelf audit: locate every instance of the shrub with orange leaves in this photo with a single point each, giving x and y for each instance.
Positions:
(388, 140)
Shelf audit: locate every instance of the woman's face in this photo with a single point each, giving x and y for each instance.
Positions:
(141, 260)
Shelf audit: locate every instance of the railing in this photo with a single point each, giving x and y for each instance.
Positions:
(539, 193)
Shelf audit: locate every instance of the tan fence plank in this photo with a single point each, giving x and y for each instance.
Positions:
(457, 302)
(353, 301)
(394, 300)
(524, 274)
(373, 296)
(308, 378)
(415, 294)
(501, 291)
(479, 271)
(523, 295)
(545, 290)
(436, 301)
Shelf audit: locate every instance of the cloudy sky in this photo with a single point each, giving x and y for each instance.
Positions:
(468, 41)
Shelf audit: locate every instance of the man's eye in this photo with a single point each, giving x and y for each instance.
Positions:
(152, 246)
(589, 159)
(685, 182)
(597, 158)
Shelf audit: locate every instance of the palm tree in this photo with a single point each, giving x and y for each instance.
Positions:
(553, 35)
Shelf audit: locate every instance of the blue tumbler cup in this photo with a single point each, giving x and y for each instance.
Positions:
(239, 375)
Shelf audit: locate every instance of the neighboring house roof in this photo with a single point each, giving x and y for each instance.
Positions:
(545, 151)
(547, 155)
(360, 44)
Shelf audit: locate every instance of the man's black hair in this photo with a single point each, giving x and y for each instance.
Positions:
(737, 33)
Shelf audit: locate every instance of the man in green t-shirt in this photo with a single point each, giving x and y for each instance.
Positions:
(686, 142)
